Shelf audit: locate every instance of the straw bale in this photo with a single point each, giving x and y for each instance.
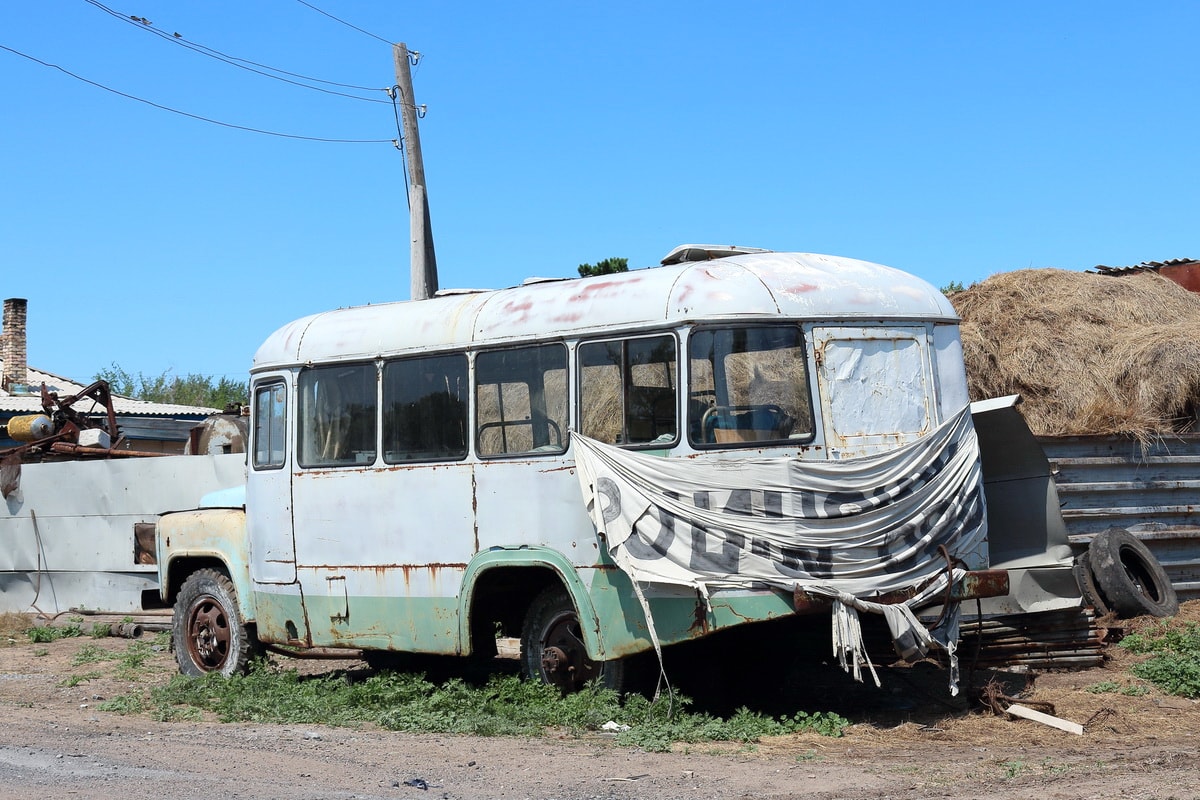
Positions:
(1090, 354)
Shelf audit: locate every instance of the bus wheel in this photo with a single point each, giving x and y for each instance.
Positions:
(208, 631)
(552, 648)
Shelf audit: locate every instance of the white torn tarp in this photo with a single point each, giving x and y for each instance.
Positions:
(843, 529)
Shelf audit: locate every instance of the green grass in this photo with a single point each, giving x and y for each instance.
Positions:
(83, 677)
(130, 664)
(92, 654)
(1174, 663)
(505, 705)
(41, 634)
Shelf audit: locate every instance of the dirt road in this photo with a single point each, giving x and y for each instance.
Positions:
(54, 742)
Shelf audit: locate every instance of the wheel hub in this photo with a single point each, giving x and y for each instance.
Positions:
(556, 664)
(208, 633)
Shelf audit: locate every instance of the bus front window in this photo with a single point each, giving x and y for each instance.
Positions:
(748, 385)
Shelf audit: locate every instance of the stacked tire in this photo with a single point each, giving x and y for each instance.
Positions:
(1119, 575)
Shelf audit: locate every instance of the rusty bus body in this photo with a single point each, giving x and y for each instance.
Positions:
(411, 483)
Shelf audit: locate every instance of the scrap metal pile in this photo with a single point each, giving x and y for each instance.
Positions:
(64, 429)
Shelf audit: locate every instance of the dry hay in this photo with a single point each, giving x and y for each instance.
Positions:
(1090, 354)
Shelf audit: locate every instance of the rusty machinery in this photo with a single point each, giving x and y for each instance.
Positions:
(61, 429)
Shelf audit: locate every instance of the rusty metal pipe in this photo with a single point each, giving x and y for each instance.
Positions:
(125, 630)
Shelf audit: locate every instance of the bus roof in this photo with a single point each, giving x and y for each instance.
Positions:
(758, 285)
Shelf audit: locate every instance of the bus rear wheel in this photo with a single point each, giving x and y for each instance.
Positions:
(208, 632)
(553, 651)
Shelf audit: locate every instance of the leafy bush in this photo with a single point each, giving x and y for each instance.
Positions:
(1174, 663)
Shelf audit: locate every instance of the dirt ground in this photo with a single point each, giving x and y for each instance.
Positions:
(54, 742)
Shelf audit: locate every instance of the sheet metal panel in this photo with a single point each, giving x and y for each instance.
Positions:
(1152, 491)
(73, 520)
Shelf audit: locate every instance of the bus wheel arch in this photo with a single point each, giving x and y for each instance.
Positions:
(501, 585)
(208, 632)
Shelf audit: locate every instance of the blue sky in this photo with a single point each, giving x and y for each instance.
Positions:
(952, 140)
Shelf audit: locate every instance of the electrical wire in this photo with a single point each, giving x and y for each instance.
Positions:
(241, 63)
(342, 21)
(190, 115)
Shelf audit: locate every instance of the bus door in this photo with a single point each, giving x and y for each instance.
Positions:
(876, 387)
(383, 502)
(269, 489)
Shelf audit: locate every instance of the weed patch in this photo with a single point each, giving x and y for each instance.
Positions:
(83, 677)
(91, 654)
(1174, 663)
(42, 634)
(505, 705)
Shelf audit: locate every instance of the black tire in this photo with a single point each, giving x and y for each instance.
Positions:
(1129, 577)
(1087, 584)
(553, 652)
(208, 632)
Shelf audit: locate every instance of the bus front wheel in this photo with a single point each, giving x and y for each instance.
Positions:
(208, 632)
(552, 648)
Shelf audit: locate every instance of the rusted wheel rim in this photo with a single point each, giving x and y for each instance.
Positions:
(564, 657)
(208, 634)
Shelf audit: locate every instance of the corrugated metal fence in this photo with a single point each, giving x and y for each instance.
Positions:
(1154, 492)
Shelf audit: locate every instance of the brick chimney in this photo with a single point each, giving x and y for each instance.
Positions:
(12, 351)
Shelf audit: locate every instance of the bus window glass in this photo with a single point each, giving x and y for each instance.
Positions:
(521, 400)
(425, 409)
(627, 390)
(748, 385)
(336, 424)
(270, 416)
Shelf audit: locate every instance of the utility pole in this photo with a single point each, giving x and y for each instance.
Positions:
(423, 264)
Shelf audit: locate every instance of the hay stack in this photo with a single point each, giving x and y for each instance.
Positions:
(1090, 354)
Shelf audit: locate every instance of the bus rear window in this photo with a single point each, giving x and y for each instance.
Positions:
(748, 385)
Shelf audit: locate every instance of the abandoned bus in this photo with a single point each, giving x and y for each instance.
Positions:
(599, 466)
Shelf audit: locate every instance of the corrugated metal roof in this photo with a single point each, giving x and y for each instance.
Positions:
(1145, 266)
(125, 406)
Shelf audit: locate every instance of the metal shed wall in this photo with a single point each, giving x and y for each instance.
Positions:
(1152, 491)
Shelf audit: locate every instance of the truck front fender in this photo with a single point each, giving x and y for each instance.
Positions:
(205, 537)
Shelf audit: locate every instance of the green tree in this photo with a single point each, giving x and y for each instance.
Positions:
(606, 267)
(188, 390)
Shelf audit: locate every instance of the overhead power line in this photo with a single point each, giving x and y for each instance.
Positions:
(190, 115)
(342, 21)
(267, 71)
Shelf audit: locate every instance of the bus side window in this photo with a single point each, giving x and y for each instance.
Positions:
(337, 415)
(425, 409)
(627, 390)
(270, 417)
(521, 400)
(748, 384)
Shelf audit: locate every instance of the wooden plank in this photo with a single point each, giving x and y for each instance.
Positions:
(1024, 712)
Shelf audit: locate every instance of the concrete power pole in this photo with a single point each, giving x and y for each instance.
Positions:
(423, 264)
